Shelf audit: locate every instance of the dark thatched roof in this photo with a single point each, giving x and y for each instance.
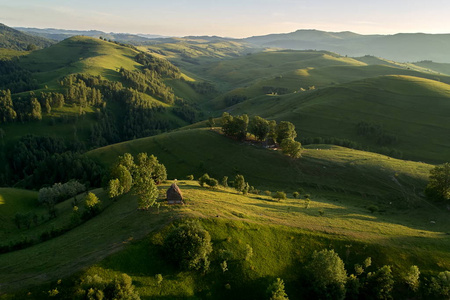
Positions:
(174, 193)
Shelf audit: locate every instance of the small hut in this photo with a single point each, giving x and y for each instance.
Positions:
(174, 195)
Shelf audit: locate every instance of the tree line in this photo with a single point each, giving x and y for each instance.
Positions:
(263, 130)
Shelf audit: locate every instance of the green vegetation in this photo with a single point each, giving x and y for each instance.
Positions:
(16, 40)
(358, 224)
(295, 232)
(189, 246)
(438, 187)
(394, 102)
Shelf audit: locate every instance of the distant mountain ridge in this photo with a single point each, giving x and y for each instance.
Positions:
(61, 34)
(11, 38)
(402, 47)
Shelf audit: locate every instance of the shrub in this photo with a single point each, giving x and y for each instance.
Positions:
(189, 246)
(190, 177)
(239, 183)
(204, 179)
(213, 182)
(373, 208)
(279, 195)
(224, 181)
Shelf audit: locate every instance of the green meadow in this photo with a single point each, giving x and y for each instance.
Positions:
(358, 202)
(281, 234)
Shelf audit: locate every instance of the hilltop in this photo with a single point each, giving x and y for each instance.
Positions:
(79, 54)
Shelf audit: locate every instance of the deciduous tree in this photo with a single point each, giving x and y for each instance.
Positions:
(439, 183)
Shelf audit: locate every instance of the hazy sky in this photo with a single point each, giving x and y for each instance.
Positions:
(232, 18)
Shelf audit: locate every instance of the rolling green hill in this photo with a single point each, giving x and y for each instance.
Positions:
(133, 100)
(412, 108)
(199, 151)
(245, 70)
(79, 55)
(282, 235)
(342, 184)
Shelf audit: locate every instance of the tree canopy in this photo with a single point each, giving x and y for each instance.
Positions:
(439, 183)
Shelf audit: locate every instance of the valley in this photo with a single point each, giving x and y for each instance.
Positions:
(82, 110)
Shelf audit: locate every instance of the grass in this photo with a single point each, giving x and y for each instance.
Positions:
(412, 108)
(333, 169)
(282, 236)
(10, 53)
(79, 55)
(79, 248)
(24, 201)
(13, 201)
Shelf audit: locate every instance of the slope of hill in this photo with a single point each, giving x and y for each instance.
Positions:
(108, 92)
(16, 40)
(411, 108)
(79, 55)
(219, 156)
(245, 70)
(401, 47)
(273, 230)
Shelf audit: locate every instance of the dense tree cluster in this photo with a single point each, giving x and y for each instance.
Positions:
(376, 133)
(282, 133)
(15, 78)
(27, 107)
(149, 82)
(161, 66)
(7, 112)
(231, 100)
(140, 175)
(98, 288)
(79, 93)
(275, 90)
(203, 88)
(46, 160)
(235, 127)
(141, 117)
(60, 191)
(186, 112)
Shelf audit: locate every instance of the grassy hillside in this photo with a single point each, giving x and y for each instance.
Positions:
(282, 235)
(197, 151)
(79, 55)
(247, 69)
(414, 109)
(11, 202)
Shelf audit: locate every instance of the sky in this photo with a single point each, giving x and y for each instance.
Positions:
(230, 18)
